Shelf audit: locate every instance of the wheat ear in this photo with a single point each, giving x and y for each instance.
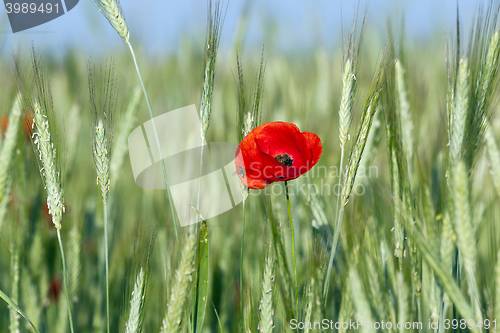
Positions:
(488, 74)
(459, 114)
(112, 11)
(266, 310)
(362, 305)
(136, 305)
(346, 102)
(173, 321)
(404, 110)
(101, 159)
(215, 21)
(50, 171)
(493, 158)
(497, 288)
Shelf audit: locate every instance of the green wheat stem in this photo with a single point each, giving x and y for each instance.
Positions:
(241, 258)
(13, 304)
(66, 291)
(340, 176)
(203, 143)
(105, 204)
(201, 174)
(334, 247)
(293, 250)
(170, 202)
(337, 229)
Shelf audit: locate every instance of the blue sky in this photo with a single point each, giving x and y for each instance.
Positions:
(159, 25)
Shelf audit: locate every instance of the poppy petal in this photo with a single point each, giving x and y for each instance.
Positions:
(279, 138)
(315, 146)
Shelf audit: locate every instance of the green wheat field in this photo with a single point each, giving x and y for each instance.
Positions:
(395, 229)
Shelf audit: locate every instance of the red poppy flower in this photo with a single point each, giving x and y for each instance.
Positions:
(276, 151)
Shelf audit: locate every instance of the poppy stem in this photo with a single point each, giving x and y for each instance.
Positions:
(293, 250)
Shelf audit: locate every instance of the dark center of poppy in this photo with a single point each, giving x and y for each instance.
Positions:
(285, 159)
(241, 171)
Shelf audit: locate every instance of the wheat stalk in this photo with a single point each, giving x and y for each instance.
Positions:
(7, 155)
(496, 308)
(246, 121)
(112, 11)
(61, 323)
(173, 322)
(362, 305)
(402, 296)
(416, 272)
(351, 54)
(50, 169)
(102, 92)
(14, 292)
(357, 149)
(308, 311)
(435, 305)
(266, 310)
(30, 298)
(75, 259)
(365, 124)
(465, 231)
(374, 284)
(447, 251)
(346, 310)
(215, 21)
(136, 305)
(399, 250)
